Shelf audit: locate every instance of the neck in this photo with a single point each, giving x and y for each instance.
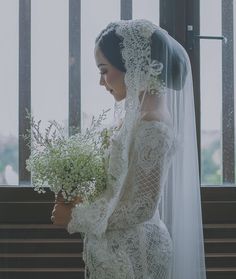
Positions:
(151, 102)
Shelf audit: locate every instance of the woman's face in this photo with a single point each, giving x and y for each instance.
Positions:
(111, 77)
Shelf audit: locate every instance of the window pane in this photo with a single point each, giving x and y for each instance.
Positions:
(211, 92)
(234, 42)
(9, 33)
(49, 57)
(94, 97)
(147, 10)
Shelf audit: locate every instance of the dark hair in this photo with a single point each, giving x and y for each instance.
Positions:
(111, 44)
(175, 66)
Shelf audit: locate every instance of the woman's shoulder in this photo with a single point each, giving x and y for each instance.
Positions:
(156, 121)
(157, 134)
(159, 116)
(154, 131)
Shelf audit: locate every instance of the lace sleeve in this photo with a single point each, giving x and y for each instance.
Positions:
(86, 217)
(150, 160)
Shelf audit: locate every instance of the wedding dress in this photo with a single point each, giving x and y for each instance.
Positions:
(136, 243)
(142, 226)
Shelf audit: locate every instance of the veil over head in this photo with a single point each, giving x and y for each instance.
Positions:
(158, 74)
(158, 71)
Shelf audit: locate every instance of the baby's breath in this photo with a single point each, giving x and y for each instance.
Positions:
(71, 165)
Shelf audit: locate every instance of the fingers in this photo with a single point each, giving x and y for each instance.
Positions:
(54, 210)
(61, 215)
(59, 198)
(77, 200)
(53, 214)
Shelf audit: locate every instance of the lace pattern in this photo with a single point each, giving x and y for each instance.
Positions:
(136, 35)
(138, 253)
(125, 236)
(136, 243)
(151, 156)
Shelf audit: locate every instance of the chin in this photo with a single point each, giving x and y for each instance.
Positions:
(119, 97)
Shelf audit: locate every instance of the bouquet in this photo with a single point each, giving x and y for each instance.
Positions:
(72, 166)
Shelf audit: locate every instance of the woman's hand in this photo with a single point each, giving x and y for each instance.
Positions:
(61, 214)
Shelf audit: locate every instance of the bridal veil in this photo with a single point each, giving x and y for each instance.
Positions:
(158, 65)
(158, 70)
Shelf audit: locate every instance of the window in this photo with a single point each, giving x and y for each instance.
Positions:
(93, 97)
(203, 26)
(217, 80)
(48, 67)
(9, 79)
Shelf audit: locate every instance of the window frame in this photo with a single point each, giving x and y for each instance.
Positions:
(10, 193)
(175, 16)
(24, 86)
(193, 48)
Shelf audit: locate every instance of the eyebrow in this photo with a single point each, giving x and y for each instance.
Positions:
(99, 65)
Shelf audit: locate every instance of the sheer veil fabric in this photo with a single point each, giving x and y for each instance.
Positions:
(158, 73)
(181, 202)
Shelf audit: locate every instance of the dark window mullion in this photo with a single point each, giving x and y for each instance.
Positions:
(166, 19)
(228, 93)
(24, 85)
(193, 19)
(126, 9)
(175, 16)
(74, 64)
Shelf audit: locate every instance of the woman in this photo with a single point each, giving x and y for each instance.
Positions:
(148, 223)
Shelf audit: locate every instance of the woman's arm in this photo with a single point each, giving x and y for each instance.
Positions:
(152, 146)
(150, 161)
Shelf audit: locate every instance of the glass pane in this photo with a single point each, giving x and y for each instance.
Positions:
(9, 33)
(94, 97)
(147, 10)
(211, 92)
(49, 60)
(234, 42)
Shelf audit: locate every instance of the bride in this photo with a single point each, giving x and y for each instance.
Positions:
(147, 224)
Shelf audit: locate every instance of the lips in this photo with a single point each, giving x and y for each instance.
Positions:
(110, 90)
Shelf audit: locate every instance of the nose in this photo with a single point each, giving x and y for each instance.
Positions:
(102, 81)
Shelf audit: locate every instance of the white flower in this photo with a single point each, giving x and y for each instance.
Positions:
(75, 165)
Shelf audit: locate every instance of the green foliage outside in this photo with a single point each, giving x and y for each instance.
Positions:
(8, 153)
(210, 170)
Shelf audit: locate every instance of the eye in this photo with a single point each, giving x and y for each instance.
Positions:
(103, 72)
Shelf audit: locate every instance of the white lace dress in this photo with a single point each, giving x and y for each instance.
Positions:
(136, 244)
